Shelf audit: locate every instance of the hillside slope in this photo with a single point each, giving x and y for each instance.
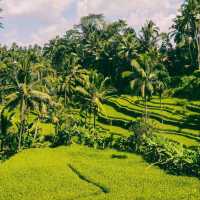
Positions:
(176, 119)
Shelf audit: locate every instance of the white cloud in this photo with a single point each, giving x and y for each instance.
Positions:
(47, 12)
(41, 9)
(136, 12)
(45, 34)
(51, 14)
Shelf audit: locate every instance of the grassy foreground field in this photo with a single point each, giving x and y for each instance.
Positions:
(77, 172)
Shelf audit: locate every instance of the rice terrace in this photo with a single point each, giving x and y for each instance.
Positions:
(100, 100)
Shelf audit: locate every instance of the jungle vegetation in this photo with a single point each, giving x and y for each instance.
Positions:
(105, 85)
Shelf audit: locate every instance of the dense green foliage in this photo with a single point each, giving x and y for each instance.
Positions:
(103, 85)
(186, 31)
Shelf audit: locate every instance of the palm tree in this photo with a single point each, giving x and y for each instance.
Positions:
(62, 118)
(142, 77)
(94, 92)
(92, 23)
(162, 82)
(149, 36)
(5, 123)
(197, 37)
(23, 89)
(128, 46)
(73, 76)
(187, 31)
(41, 111)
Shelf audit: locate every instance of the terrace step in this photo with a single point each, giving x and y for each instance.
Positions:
(137, 113)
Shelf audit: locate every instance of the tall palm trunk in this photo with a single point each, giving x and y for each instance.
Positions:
(198, 45)
(90, 115)
(1, 131)
(36, 130)
(2, 128)
(57, 128)
(146, 109)
(86, 115)
(65, 98)
(1, 145)
(1, 121)
(94, 119)
(160, 95)
(22, 122)
(191, 54)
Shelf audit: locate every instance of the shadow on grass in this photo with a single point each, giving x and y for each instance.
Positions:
(119, 156)
(86, 179)
(4, 156)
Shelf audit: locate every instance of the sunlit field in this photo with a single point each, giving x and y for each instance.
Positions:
(45, 174)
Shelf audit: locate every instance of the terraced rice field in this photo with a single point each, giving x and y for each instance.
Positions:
(80, 173)
(176, 119)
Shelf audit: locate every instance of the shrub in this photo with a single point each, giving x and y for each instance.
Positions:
(189, 88)
(61, 138)
(169, 155)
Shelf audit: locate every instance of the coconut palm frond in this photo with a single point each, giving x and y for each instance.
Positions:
(82, 91)
(135, 65)
(40, 96)
(143, 93)
(134, 83)
(103, 83)
(127, 74)
(12, 104)
(11, 97)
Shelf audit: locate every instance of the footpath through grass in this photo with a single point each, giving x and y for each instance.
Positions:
(41, 174)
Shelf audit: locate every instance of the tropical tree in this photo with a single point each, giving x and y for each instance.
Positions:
(162, 82)
(128, 47)
(91, 23)
(23, 91)
(187, 34)
(55, 51)
(58, 50)
(73, 75)
(93, 94)
(142, 77)
(41, 111)
(149, 36)
(65, 124)
(7, 141)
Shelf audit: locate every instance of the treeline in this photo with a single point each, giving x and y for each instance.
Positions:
(110, 47)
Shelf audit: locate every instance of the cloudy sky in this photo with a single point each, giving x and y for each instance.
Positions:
(37, 21)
